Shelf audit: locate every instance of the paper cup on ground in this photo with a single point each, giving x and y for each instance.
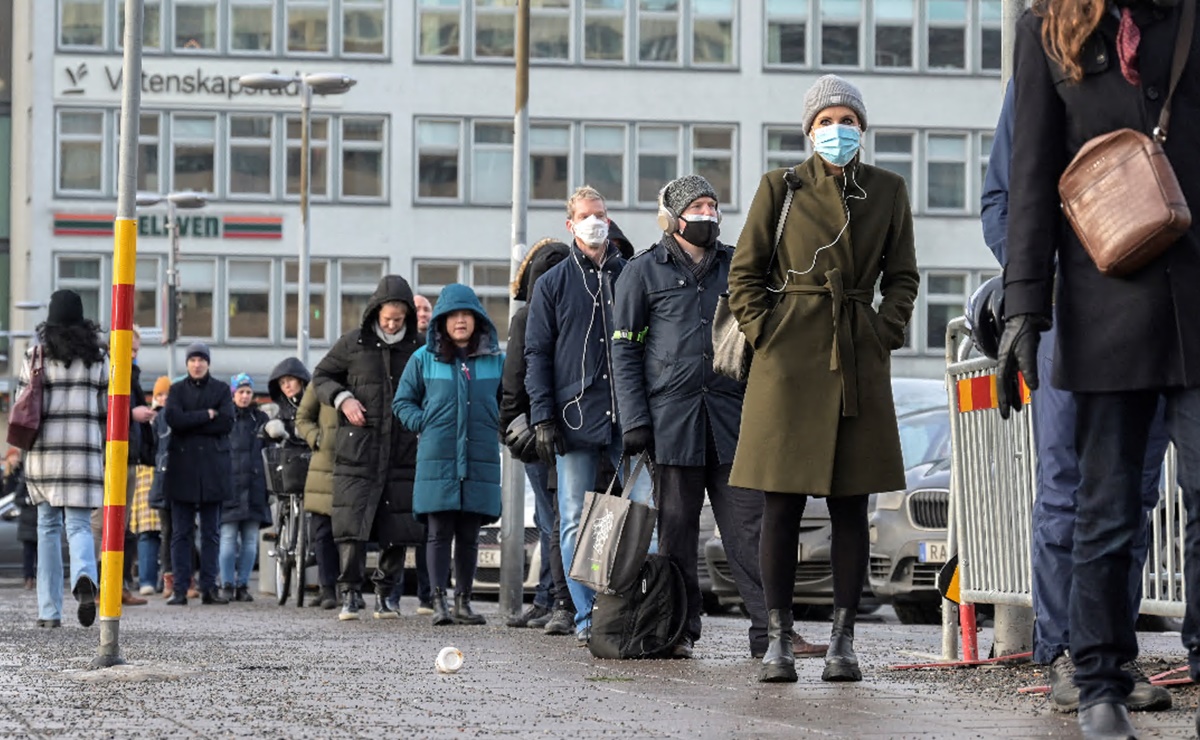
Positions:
(449, 660)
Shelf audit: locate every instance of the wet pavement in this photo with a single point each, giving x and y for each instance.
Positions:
(282, 672)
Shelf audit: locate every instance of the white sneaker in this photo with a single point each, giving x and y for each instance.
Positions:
(146, 590)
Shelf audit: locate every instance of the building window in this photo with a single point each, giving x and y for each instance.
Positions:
(251, 26)
(786, 146)
(149, 165)
(549, 163)
(985, 154)
(433, 276)
(151, 26)
(712, 159)
(550, 29)
(84, 276)
(946, 171)
(947, 44)
(604, 30)
(787, 32)
(439, 24)
(318, 313)
(363, 157)
(146, 296)
(491, 163)
(990, 53)
(495, 32)
(439, 159)
(604, 160)
(945, 296)
(364, 27)
(894, 33)
(308, 26)
(197, 279)
(195, 25)
(657, 160)
(658, 31)
(489, 280)
(358, 280)
(318, 144)
(194, 163)
(840, 28)
(249, 299)
(81, 23)
(712, 32)
(81, 137)
(894, 152)
(251, 161)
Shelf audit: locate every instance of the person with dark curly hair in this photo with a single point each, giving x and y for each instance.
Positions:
(64, 469)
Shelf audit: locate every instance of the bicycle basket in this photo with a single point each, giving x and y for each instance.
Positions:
(286, 468)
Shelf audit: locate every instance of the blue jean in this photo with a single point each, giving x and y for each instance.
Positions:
(149, 544)
(183, 523)
(78, 523)
(543, 519)
(1054, 509)
(239, 547)
(577, 472)
(1113, 431)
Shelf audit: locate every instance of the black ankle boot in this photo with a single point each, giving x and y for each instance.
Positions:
(779, 664)
(841, 664)
(441, 612)
(462, 610)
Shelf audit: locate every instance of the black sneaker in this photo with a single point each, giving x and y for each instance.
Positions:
(350, 607)
(1064, 694)
(179, 598)
(526, 619)
(85, 592)
(562, 622)
(228, 592)
(682, 649)
(539, 623)
(49, 623)
(1145, 697)
(383, 608)
(242, 593)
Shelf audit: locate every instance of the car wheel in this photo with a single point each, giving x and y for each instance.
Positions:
(919, 613)
(812, 612)
(713, 605)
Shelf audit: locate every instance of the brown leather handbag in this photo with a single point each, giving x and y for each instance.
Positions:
(25, 416)
(1120, 194)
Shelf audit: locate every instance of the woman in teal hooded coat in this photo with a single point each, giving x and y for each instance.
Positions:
(449, 395)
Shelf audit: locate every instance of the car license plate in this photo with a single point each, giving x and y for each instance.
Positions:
(410, 558)
(489, 558)
(933, 552)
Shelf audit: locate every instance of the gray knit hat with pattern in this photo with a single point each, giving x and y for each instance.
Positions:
(682, 191)
(831, 91)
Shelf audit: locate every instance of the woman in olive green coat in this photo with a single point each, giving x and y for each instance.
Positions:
(317, 424)
(818, 418)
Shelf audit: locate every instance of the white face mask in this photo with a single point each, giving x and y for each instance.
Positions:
(592, 231)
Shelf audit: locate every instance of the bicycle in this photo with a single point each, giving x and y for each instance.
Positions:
(286, 467)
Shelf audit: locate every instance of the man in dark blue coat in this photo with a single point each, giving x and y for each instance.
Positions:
(573, 404)
(1058, 476)
(199, 479)
(675, 407)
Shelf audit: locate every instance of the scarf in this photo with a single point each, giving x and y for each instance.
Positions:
(699, 269)
(390, 338)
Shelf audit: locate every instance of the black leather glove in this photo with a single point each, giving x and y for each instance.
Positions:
(521, 440)
(639, 440)
(549, 442)
(1018, 356)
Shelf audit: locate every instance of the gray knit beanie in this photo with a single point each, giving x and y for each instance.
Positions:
(681, 192)
(198, 349)
(830, 91)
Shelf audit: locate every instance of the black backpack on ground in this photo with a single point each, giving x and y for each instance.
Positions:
(647, 620)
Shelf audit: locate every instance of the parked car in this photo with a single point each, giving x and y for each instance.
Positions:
(11, 549)
(487, 573)
(813, 595)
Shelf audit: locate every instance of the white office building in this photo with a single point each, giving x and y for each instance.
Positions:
(412, 167)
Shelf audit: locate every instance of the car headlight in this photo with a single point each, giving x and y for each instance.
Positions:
(716, 531)
(891, 501)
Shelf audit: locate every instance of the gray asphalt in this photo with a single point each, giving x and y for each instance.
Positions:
(281, 672)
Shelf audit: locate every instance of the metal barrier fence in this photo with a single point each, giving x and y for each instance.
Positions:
(992, 487)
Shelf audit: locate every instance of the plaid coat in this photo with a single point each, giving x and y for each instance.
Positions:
(142, 518)
(66, 465)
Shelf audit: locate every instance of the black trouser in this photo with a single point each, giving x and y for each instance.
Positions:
(164, 551)
(183, 522)
(352, 555)
(460, 529)
(679, 495)
(29, 559)
(781, 537)
(321, 531)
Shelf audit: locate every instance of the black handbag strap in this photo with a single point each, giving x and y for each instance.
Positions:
(1183, 44)
(643, 462)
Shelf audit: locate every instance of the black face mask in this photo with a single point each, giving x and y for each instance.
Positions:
(703, 234)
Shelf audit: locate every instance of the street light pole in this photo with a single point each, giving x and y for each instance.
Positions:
(302, 292)
(172, 289)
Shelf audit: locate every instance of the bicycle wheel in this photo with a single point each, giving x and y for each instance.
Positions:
(300, 554)
(283, 570)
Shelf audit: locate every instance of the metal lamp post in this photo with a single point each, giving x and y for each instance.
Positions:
(321, 83)
(186, 200)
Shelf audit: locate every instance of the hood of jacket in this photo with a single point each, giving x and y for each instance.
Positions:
(289, 366)
(541, 257)
(617, 238)
(391, 288)
(459, 297)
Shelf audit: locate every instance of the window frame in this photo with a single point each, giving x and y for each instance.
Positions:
(118, 30)
(968, 158)
(314, 288)
(681, 34)
(104, 140)
(692, 14)
(358, 290)
(98, 284)
(916, 48)
(460, 180)
(239, 142)
(546, 150)
(768, 152)
(315, 144)
(916, 183)
(789, 18)
(580, 50)
(217, 149)
(386, 21)
(967, 26)
(818, 60)
(215, 292)
(228, 287)
(929, 298)
(276, 20)
(680, 157)
(463, 31)
(107, 23)
(488, 147)
(218, 47)
(617, 200)
(542, 12)
(330, 31)
(156, 288)
(980, 24)
(728, 204)
(382, 146)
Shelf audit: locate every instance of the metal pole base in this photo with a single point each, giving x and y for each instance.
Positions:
(109, 653)
(1013, 631)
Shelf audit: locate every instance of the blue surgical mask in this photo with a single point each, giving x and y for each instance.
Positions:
(837, 144)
